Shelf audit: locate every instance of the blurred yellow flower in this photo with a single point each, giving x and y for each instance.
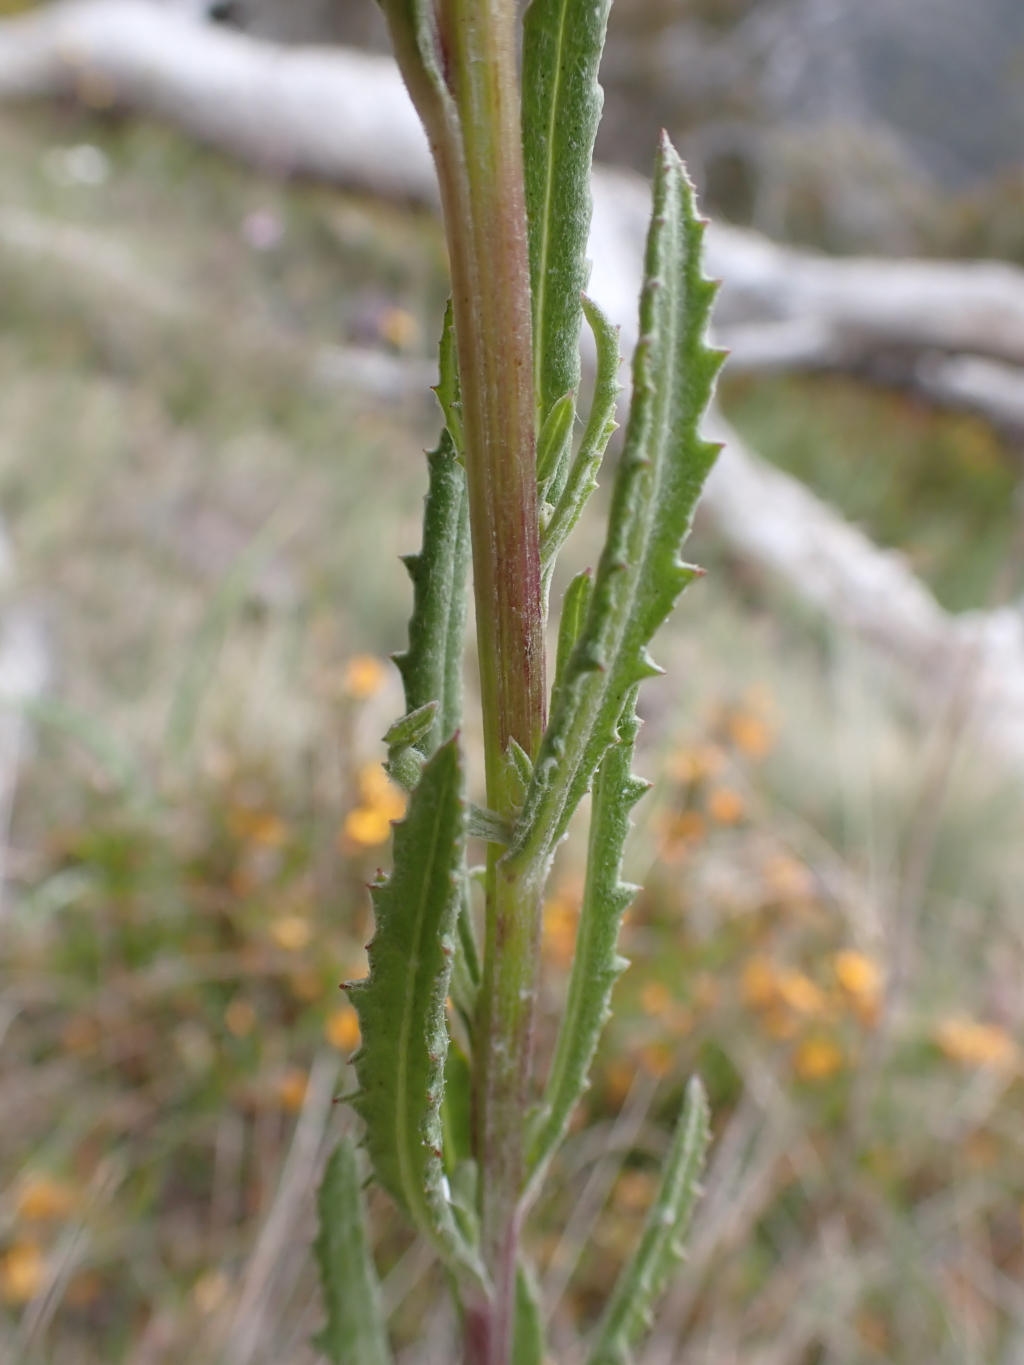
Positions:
(364, 675)
(800, 993)
(291, 1089)
(240, 1018)
(759, 983)
(657, 1059)
(22, 1271)
(655, 999)
(817, 1059)
(379, 792)
(692, 765)
(42, 1198)
(381, 802)
(210, 1291)
(634, 1191)
(262, 827)
(787, 878)
(861, 978)
(974, 1044)
(558, 943)
(366, 827)
(617, 1082)
(751, 735)
(342, 1029)
(398, 327)
(291, 932)
(306, 985)
(726, 806)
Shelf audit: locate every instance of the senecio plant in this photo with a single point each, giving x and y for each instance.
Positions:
(458, 1130)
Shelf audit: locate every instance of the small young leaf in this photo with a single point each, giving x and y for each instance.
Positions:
(554, 440)
(486, 824)
(582, 478)
(401, 1004)
(413, 728)
(574, 612)
(657, 484)
(446, 389)
(596, 964)
(645, 1276)
(431, 667)
(528, 1338)
(354, 1332)
(562, 43)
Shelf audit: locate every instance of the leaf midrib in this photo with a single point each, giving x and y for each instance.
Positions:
(402, 1106)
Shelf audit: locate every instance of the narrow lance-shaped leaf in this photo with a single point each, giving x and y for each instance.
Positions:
(596, 962)
(401, 1005)
(431, 667)
(562, 43)
(575, 605)
(582, 476)
(645, 1276)
(657, 485)
(528, 1338)
(354, 1332)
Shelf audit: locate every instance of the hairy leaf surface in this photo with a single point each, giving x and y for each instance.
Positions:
(354, 1333)
(401, 1004)
(562, 43)
(596, 963)
(431, 667)
(646, 1274)
(658, 482)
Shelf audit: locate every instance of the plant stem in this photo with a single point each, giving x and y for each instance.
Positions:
(491, 300)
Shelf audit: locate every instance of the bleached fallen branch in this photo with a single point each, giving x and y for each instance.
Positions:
(344, 116)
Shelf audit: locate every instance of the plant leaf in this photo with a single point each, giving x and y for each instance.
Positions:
(431, 667)
(582, 477)
(645, 1275)
(401, 1004)
(528, 1338)
(354, 1333)
(657, 485)
(596, 963)
(562, 43)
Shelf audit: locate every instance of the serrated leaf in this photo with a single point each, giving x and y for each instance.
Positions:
(401, 1004)
(582, 477)
(354, 1333)
(658, 482)
(431, 667)
(596, 964)
(561, 102)
(645, 1276)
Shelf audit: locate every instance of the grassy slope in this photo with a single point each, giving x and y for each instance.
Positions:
(209, 536)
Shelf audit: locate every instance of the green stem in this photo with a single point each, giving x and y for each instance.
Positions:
(486, 221)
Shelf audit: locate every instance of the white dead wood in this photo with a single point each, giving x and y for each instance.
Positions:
(344, 116)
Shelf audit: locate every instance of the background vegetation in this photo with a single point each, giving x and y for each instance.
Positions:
(205, 523)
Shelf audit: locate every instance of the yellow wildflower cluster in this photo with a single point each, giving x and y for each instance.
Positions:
(380, 802)
(972, 1043)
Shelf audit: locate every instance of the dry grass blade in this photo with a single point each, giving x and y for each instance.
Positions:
(293, 1190)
